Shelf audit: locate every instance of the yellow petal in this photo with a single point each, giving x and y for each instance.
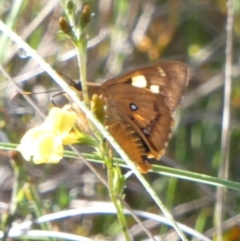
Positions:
(44, 144)
(49, 149)
(60, 120)
(71, 138)
(41, 146)
(28, 146)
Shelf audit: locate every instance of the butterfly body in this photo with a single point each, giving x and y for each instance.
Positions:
(139, 107)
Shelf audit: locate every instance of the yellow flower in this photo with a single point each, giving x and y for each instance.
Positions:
(44, 144)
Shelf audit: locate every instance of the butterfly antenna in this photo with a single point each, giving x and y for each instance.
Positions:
(77, 85)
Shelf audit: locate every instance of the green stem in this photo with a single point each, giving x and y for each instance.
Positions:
(113, 195)
(14, 198)
(82, 63)
(36, 202)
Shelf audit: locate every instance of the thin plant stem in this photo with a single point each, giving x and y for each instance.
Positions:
(225, 140)
(33, 198)
(82, 61)
(14, 199)
(113, 194)
(78, 35)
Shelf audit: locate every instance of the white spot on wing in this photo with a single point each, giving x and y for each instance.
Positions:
(161, 72)
(155, 89)
(139, 81)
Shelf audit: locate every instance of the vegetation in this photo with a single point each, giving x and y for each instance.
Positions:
(86, 196)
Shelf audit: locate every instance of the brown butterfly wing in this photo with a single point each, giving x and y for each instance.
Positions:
(140, 119)
(146, 113)
(128, 139)
(171, 76)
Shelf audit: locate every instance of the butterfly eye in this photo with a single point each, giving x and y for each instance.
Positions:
(133, 107)
(139, 81)
(155, 89)
(146, 132)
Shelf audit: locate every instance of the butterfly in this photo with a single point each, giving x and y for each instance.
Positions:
(139, 108)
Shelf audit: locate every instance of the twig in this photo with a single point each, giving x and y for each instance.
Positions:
(225, 140)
